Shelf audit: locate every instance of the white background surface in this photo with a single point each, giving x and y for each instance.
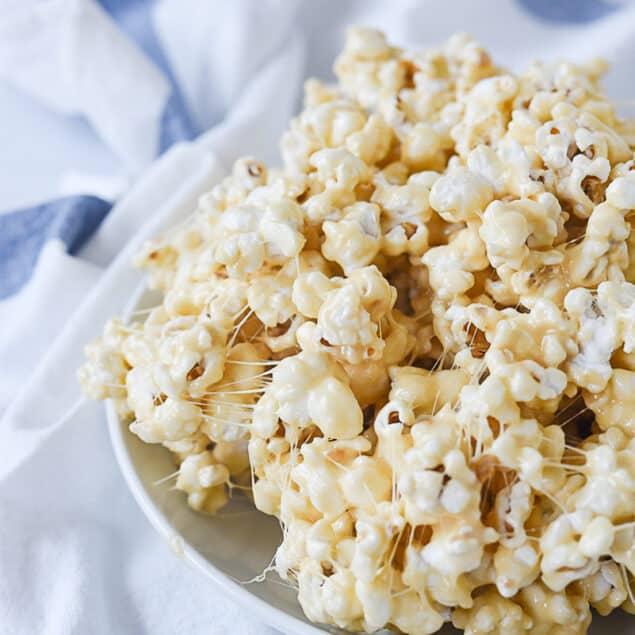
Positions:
(76, 556)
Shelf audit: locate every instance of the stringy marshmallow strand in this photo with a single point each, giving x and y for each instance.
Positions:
(414, 343)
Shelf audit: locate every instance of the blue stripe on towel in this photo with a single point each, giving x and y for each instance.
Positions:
(569, 11)
(134, 17)
(24, 232)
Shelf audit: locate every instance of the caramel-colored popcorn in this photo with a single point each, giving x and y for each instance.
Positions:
(414, 343)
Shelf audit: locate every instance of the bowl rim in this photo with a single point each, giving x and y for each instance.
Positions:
(263, 611)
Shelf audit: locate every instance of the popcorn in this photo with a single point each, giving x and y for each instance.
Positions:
(248, 237)
(485, 115)
(614, 405)
(172, 420)
(311, 387)
(516, 568)
(247, 175)
(603, 253)
(424, 392)
(583, 186)
(565, 558)
(422, 147)
(354, 241)
(452, 266)
(349, 318)
(609, 472)
(203, 481)
(414, 343)
(338, 174)
(405, 212)
(606, 589)
(188, 358)
(372, 143)
(605, 324)
(367, 67)
(510, 230)
(492, 615)
(549, 610)
(104, 375)
(325, 125)
(460, 196)
(621, 192)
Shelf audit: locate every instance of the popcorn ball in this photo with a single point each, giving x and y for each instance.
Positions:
(413, 343)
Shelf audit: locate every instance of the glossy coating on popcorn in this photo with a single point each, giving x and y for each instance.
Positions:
(414, 343)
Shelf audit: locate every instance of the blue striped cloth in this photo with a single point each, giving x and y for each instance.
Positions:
(74, 219)
(569, 11)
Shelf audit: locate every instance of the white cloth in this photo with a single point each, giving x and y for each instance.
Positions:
(76, 555)
(70, 56)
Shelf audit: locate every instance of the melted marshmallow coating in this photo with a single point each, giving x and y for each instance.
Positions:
(413, 343)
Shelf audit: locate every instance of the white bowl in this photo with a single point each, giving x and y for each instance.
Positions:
(237, 544)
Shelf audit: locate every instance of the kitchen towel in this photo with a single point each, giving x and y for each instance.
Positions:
(115, 117)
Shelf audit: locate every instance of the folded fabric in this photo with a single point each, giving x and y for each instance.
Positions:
(71, 55)
(23, 233)
(145, 78)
